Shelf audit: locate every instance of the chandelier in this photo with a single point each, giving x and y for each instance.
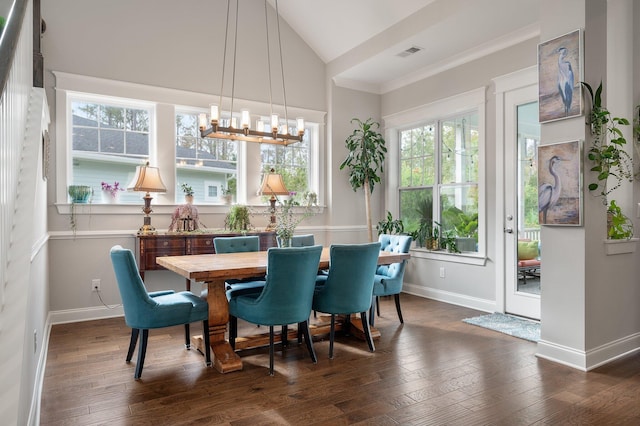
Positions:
(271, 132)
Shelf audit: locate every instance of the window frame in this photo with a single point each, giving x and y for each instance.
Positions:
(435, 112)
(165, 103)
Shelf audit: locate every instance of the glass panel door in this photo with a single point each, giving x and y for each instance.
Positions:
(522, 231)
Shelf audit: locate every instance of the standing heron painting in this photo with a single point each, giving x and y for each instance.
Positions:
(548, 194)
(559, 184)
(565, 79)
(559, 74)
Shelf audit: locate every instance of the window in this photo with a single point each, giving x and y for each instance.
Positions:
(291, 161)
(108, 141)
(439, 177)
(103, 135)
(204, 164)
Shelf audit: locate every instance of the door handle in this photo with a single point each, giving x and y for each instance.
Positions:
(508, 230)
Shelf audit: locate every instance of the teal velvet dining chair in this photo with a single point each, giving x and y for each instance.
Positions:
(239, 244)
(349, 285)
(388, 278)
(144, 311)
(305, 240)
(285, 298)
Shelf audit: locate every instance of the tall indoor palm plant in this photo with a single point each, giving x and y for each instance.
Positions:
(365, 161)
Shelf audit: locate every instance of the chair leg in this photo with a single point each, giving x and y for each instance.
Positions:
(284, 336)
(233, 331)
(332, 333)
(367, 331)
(397, 298)
(187, 337)
(207, 343)
(142, 351)
(132, 343)
(271, 350)
(372, 311)
(378, 305)
(304, 326)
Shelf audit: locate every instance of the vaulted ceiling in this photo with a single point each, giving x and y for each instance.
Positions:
(367, 43)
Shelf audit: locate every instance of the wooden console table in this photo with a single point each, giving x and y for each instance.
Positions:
(149, 247)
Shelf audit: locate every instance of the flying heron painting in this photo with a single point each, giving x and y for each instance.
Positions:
(565, 79)
(549, 194)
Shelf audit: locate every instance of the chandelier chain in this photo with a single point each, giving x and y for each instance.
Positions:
(224, 54)
(266, 26)
(284, 92)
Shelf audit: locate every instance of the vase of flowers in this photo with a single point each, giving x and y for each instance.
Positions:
(287, 219)
(110, 192)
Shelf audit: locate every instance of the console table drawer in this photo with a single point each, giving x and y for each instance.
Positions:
(200, 245)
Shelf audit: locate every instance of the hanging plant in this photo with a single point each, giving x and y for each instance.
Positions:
(611, 162)
(619, 226)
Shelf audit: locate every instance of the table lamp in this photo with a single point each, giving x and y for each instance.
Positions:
(147, 179)
(273, 185)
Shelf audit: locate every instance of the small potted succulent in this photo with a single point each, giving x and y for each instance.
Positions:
(188, 192)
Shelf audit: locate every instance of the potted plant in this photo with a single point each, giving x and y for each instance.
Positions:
(390, 225)
(110, 192)
(79, 193)
(426, 235)
(365, 161)
(609, 159)
(448, 241)
(188, 192)
(227, 196)
(238, 219)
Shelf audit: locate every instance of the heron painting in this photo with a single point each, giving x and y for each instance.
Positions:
(559, 75)
(559, 184)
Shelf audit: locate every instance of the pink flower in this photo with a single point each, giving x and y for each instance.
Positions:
(112, 189)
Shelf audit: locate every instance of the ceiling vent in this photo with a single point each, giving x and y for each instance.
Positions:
(409, 51)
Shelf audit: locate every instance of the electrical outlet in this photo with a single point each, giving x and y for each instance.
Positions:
(95, 284)
(442, 272)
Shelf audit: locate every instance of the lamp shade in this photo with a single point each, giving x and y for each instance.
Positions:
(147, 179)
(272, 184)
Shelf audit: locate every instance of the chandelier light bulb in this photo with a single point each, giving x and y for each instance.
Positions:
(215, 115)
(245, 119)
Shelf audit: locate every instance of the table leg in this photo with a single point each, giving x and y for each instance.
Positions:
(225, 359)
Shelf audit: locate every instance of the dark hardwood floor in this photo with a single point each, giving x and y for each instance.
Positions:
(434, 369)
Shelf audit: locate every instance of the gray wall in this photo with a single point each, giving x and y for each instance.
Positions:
(169, 44)
(422, 274)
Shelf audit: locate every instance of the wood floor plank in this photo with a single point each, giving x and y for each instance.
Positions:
(434, 369)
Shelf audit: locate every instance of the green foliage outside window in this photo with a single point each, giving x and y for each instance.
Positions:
(440, 159)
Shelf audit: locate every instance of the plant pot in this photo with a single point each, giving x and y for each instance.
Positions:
(79, 194)
(109, 198)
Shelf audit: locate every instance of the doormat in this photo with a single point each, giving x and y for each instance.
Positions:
(508, 324)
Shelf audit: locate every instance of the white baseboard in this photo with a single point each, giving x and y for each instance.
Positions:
(85, 314)
(562, 355)
(449, 297)
(593, 358)
(34, 410)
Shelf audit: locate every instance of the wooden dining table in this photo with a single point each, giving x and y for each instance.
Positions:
(214, 270)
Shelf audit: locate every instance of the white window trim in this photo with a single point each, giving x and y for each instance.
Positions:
(435, 111)
(68, 85)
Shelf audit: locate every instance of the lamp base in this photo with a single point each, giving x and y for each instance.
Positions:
(272, 209)
(146, 228)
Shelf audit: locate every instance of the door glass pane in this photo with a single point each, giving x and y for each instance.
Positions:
(529, 242)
